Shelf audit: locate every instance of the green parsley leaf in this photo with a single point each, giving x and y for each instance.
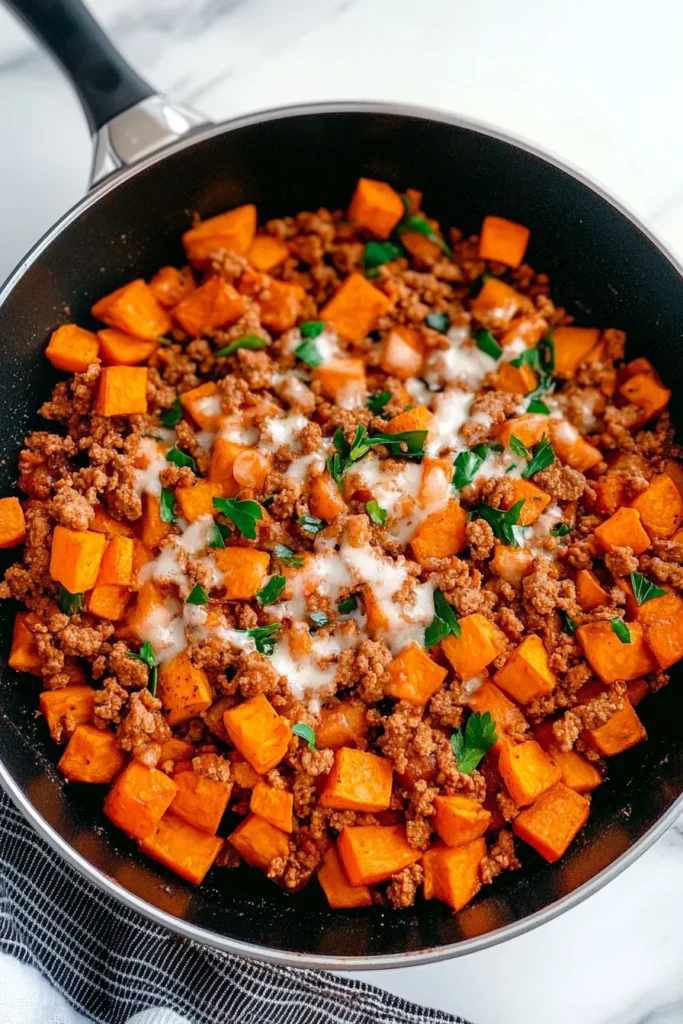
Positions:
(243, 514)
(414, 222)
(311, 525)
(218, 534)
(519, 448)
(263, 638)
(621, 629)
(308, 353)
(377, 253)
(562, 530)
(488, 344)
(163, 340)
(529, 357)
(180, 459)
(70, 603)
(569, 626)
(444, 622)
(348, 605)
(287, 556)
(347, 453)
(377, 401)
(167, 506)
(435, 632)
(197, 596)
(272, 590)
(503, 524)
(546, 355)
(470, 746)
(644, 589)
(172, 416)
(542, 457)
(438, 322)
(312, 328)
(465, 467)
(146, 654)
(407, 445)
(536, 405)
(305, 733)
(251, 341)
(319, 619)
(377, 514)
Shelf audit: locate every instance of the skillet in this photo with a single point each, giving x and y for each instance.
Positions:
(153, 162)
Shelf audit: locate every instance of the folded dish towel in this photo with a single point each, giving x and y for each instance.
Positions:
(109, 964)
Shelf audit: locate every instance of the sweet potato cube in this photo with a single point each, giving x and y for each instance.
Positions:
(373, 853)
(251, 468)
(355, 308)
(535, 501)
(359, 781)
(153, 529)
(589, 593)
(623, 730)
(139, 799)
(451, 873)
(573, 449)
(12, 523)
(637, 690)
(176, 750)
(376, 620)
(413, 676)
(279, 301)
(92, 755)
(105, 523)
(341, 895)
(609, 657)
(518, 380)
(275, 805)
(267, 252)
(23, 655)
(573, 347)
(233, 231)
(198, 500)
(172, 284)
(117, 562)
(325, 500)
(203, 403)
(660, 507)
(417, 418)
(402, 352)
(610, 493)
(134, 310)
(341, 725)
(75, 558)
(553, 821)
(258, 842)
(122, 391)
(577, 771)
(259, 733)
(495, 294)
(662, 621)
(199, 800)
(120, 349)
(67, 708)
(376, 207)
(459, 820)
(529, 428)
(527, 771)
(72, 348)
(186, 850)
(507, 717)
(511, 564)
(108, 601)
(214, 304)
(224, 454)
(480, 641)
(527, 674)
(503, 241)
(422, 248)
(342, 381)
(645, 391)
(623, 529)
(530, 330)
(183, 689)
(441, 534)
(244, 570)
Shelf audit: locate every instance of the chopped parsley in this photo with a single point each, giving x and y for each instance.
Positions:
(146, 654)
(346, 453)
(243, 513)
(180, 459)
(536, 405)
(167, 506)
(644, 589)
(377, 253)
(197, 595)
(272, 590)
(541, 359)
(503, 524)
(488, 344)
(471, 745)
(438, 322)
(519, 448)
(312, 328)
(569, 626)
(306, 734)
(70, 603)
(348, 605)
(621, 629)
(172, 416)
(377, 401)
(444, 622)
(377, 514)
(562, 530)
(287, 556)
(263, 638)
(414, 222)
(319, 619)
(218, 534)
(542, 456)
(251, 341)
(308, 353)
(467, 464)
(311, 525)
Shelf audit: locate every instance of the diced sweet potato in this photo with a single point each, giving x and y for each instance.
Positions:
(120, 349)
(503, 241)
(459, 819)
(243, 774)
(660, 507)
(266, 252)
(609, 657)
(259, 733)
(134, 310)
(251, 468)
(527, 771)
(577, 771)
(529, 428)
(435, 485)
(279, 301)
(637, 690)
(497, 295)
(203, 403)
(341, 725)
(72, 348)
(139, 799)
(662, 621)
(325, 500)
(186, 850)
(553, 821)
(376, 621)
(200, 801)
(417, 418)
(535, 500)
(23, 655)
(67, 708)
(674, 470)
(573, 347)
(92, 755)
(451, 873)
(275, 805)
(153, 529)
(508, 719)
(122, 391)
(341, 895)
(527, 674)
(224, 453)
(402, 352)
(589, 593)
(108, 601)
(244, 570)
(441, 534)
(105, 523)
(75, 558)
(176, 750)
(214, 304)
(530, 330)
(373, 853)
(198, 500)
(413, 676)
(258, 842)
(511, 564)
(183, 689)
(172, 284)
(645, 391)
(342, 381)
(12, 523)
(355, 308)
(623, 529)
(376, 207)
(610, 493)
(573, 449)
(359, 781)
(518, 380)
(233, 231)
(480, 641)
(422, 248)
(622, 731)
(117, 562)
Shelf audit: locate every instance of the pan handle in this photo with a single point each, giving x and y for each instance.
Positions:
(127, 118)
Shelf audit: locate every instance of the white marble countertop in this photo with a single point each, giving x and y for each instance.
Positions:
(599, 82)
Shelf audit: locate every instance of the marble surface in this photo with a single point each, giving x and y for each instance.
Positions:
(599, 82)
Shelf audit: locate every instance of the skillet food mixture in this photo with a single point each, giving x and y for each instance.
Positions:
(353, 557)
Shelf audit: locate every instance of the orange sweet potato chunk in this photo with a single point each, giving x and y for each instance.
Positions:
(153, 529)
(92, 755)
(417, 418)
(376, 207)
(355, 308)
(244, 570)
(172, 284)
(200, 801)
(573, 449)
(342, 381)
(176, 750)
(75, 558)
(251, 468)
(279, 301)
(214, 304)
(507, 717)
(233, 230)
(503, 241)
(530, 330)
(275, 805)
(258, 842)
(573, 347)
(480, 641)
(495, 294)
(122, 391)
(610, 493)
(325, 500)
(511, 564)
(623, 529)
(259, 733)
(402, 352)
(422, 248)
(186, 850)
(577, 771)
(139, 799)
(373, 853)
(660, 507)
(518, 380)
(108, 601)
(23, 655)
(609, 658)
(662, 620)
(441, 534)
(203, 404)
(529, 428)
(359, 781)
(66, 708)
(527, 771)
(589, 593)
(645, 391)
(134, 310)
(341, 725)
(12, 523)
(197, 501)
(535, 500)
(553, 821)
(341, 895)
(224, 454)
(459, 819)
(72, 348)
(622, 731)
(117, 562)
(451, 873)
(267, 252)
(527, 675)
(120, 349)
(183, 689)
(105, 523)
(413, 676)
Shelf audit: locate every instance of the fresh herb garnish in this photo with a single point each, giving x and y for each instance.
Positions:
(377, 514)
(163, 340)
(272, 590)
(311, 525)
(218, 534)
(263, 638)
(503, 524)
(444, 622)
(621, 629)
(347, 453)
(312, 328)
(377, 253)
(519, 448)
(541, 359)
(70, 603)
(167, 506)
(146, 654)
(569, 626)
(172, 416)
(377, 401)
(180, 459)
(244, 514)
(488, 344)
(536, 405)
(644, 589)
(348, 605)
(305, 733)
(287, 556)
(308, 353)
(470, 746)
(542, 457)
(251, 341)
(197, 595)
(319, 619)
(562, 530)
(438, 322)
(466, 465)
(414, 222)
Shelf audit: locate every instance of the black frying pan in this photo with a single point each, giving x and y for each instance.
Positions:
(605, 267)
